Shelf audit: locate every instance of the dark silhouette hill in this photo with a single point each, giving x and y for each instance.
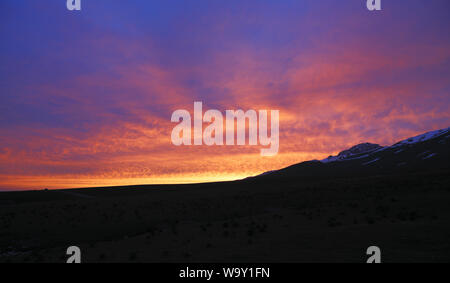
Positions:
(393, 197)
(427, 152)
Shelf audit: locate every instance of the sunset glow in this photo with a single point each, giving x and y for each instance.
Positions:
(87, 97)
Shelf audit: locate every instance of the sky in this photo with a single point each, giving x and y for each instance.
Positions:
(86, 97)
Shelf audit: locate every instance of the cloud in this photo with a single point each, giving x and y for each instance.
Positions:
(92, 106)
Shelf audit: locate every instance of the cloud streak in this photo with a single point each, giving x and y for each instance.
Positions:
(87, 99)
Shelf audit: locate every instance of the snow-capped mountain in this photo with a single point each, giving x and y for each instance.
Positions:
(423, 137)
(358, 151)
(365, 149)
(426, 152)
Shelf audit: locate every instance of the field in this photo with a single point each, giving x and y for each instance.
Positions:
(407, 216)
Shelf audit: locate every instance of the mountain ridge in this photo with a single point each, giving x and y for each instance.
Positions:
(425, 152)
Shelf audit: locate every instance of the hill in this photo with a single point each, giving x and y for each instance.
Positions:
(393, 197)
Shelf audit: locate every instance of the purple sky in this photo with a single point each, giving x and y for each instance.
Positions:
(88, 95)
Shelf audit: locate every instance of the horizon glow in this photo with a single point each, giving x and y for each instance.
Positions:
(87, 96)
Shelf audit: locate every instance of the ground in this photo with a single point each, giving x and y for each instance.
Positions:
(407, 216)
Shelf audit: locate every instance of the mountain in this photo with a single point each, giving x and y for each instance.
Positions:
(426, 152)
(354, 152)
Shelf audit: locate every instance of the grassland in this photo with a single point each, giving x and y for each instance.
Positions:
(407, 216)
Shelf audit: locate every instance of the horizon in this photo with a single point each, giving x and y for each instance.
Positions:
(128, 183)
(87, 95)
